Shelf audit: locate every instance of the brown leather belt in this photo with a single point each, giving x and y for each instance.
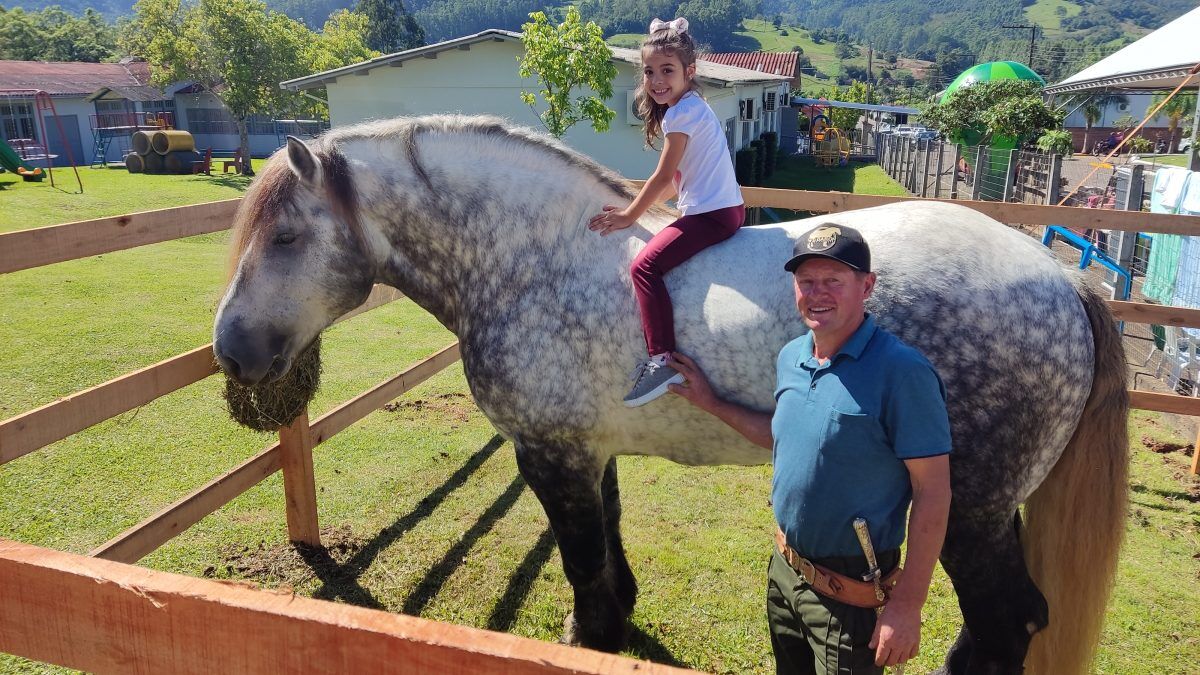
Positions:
(840, 587)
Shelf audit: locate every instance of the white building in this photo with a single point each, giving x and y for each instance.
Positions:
(477, 74)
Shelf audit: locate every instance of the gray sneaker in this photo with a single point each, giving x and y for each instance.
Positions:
(650, 380)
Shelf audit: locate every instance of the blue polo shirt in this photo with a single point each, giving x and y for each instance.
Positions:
(842, 431)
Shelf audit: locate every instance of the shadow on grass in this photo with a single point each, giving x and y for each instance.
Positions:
(505, 614)
(1170, 495)
(229, 180)
(436, 577)
(340, 582)
(642, 645)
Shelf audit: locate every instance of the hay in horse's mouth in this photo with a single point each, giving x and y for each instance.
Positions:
(273, 405)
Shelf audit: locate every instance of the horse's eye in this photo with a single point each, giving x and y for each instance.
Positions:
(285, 238)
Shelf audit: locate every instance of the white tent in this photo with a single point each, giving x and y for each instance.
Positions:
(1159, 61)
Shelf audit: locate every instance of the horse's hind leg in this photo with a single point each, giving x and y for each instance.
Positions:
(1001, 606)
(568, 483)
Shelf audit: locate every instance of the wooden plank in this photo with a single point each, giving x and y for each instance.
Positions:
(46, 245)
(1163, 315)
(1170, 403)
(140, 540)
(1030, 214)
(355, 409)
(136, 542)
(105, 617)
(1195, 469)
(299, 483)
(54, 421)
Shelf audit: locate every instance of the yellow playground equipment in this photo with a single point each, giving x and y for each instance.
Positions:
(830, 146)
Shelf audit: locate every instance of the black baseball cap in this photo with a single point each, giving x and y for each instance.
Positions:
(836, 242)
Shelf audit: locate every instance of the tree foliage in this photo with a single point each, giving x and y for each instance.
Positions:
(1180, 107)
(390, 27)
(998, 108)
(53, 34)
(239, 51)
(567, 57)
(847, 118)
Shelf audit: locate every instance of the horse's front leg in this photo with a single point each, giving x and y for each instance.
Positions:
(1001, 606)
(582, 503)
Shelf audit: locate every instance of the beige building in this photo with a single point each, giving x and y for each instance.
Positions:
(477, 74)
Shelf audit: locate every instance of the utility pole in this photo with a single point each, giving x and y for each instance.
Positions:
(870, 70)
(1032, 37)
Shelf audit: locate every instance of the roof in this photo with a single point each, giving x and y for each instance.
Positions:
(800, 100)
(711, 73)
(1160, 60)
(775, 63)
(59, 78)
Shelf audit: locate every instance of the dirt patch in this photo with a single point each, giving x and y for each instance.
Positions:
(1166, 447)
(454, 406)
(288, 565)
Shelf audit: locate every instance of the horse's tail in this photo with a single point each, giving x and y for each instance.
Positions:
(1076, 518)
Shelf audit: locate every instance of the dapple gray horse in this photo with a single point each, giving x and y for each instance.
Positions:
(484, 225)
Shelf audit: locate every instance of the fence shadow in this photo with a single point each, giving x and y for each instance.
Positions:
(340, 582)
(520, 582)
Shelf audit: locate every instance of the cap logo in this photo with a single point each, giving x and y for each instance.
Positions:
(823, 238)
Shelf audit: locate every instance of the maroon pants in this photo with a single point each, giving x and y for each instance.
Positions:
(668, 249)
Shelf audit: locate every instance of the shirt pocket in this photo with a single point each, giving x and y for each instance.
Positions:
(858, 433)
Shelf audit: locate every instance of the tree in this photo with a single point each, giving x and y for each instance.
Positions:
(1091, 115)
(565, 57)
(56, 35)
(1180, 107)
(847, 118)
(713, 21)
(391, 28)
(236, 50)
(994, 109)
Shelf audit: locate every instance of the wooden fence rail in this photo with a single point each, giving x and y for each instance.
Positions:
(46, 245)
(106, 617)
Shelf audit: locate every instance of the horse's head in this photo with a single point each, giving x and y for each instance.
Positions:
(300, 260)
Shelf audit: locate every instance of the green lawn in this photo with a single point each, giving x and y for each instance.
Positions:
(1169, 160)
(421, 503)
(106, 192)
(1045, 13)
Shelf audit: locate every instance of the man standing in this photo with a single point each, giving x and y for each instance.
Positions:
(859, 430)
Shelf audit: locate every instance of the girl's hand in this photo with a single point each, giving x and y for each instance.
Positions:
(610, 219)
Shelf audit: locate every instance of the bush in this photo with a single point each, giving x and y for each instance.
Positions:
(1140, 145)
(744, 162)
(760, 161)
(1058, 142)
(783, 32)
(770, 141)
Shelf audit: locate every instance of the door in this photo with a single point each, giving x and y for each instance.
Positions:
(70, 126)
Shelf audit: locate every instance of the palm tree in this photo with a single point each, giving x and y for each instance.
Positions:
(1091, 115)
(1180, 107)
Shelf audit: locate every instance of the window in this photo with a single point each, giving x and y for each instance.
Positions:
(219, 121)
(18, 120)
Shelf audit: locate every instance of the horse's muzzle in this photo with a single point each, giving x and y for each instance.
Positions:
(249, 358)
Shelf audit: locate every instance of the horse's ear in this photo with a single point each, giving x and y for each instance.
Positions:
(303, 162)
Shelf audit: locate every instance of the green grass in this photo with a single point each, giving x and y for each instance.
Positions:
(106, 192)
(1169, 160)
(424, 504)
(1044, 14)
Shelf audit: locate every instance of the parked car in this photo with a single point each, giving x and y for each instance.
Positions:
(1185, 145)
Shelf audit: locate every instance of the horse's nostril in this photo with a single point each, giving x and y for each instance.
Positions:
(228, 364)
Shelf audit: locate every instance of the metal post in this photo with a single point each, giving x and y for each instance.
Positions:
(954, 180)
(1010, 174)
(1193, 150)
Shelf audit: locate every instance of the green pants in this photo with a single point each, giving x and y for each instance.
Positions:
(814, 635)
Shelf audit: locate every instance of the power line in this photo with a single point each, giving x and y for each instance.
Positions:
(1032, 35)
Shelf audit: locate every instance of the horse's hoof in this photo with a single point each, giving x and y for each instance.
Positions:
(569, 631)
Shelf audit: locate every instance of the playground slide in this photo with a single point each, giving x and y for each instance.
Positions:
(11, 161)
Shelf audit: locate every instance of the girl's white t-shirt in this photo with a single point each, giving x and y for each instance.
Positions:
(705, 180)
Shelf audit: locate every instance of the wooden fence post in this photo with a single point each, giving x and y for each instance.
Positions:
(925, 169)
(1053, 191)
(978, 182)
(299, 485)
(954, 180)
(937, 184)
(1010, 174)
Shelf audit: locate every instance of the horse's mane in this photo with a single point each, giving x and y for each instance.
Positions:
(276, 184)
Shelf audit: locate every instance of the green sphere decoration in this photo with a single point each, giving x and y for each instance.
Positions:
(985, 72)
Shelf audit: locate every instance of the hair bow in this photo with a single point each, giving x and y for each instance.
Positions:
(680, 25)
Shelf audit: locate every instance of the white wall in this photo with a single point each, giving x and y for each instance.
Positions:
(1137, 107)
(484, 80)
(261, 145)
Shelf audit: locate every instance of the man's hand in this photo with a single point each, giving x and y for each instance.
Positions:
(897, 635)
(696, 389)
